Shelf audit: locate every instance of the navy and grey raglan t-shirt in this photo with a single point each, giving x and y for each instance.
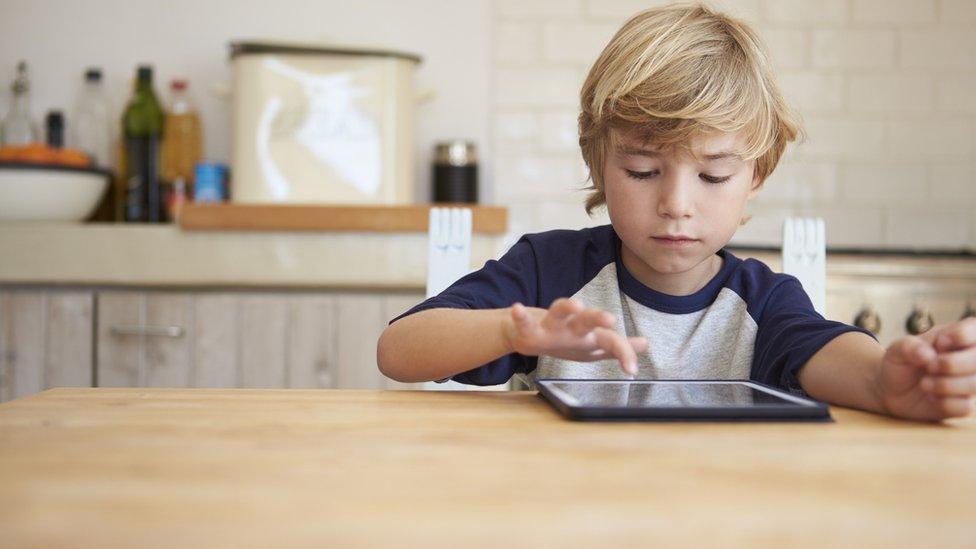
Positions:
(746, 323)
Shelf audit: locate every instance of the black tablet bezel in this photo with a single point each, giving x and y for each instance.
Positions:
(806, 410)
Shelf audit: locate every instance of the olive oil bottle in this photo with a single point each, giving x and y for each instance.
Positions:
(142, 127)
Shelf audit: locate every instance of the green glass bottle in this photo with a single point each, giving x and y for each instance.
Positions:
(142, 125)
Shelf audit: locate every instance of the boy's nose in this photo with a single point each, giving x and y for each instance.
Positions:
(675, 200)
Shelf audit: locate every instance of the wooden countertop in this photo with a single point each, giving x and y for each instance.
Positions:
(282, 468)
(145, 255)
(271, 217)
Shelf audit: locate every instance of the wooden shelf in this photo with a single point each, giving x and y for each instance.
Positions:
(264, 217)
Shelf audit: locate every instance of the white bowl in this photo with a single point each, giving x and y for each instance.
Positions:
(49, 193)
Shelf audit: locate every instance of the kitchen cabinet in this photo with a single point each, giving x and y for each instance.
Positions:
(45, 340)
(243, 339)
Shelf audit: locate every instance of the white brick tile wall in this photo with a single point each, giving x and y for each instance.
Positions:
(517, 131)
(959, 11)
(912, 227)
(953, 184)
(537, 176)
(886, 90)
(552, 214)
(800, 181)
(957, 93)
(538, 87)
(898, 183)
(934, 139)
(805, 11)
(560, 132)
(750, 10)
(843, 138)
(620, 10)
(849, 226)
(853, 49)
(891, 93)
(894, 11)
(789, 48)
(544, 215)
(939, 49)
(538, 9)
(517, 43)
(576, 42)
(765, 228)
(812, 91)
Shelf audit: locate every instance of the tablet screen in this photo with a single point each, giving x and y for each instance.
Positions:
(667, 394)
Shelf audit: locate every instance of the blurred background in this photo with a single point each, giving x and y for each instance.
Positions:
(363, 114)
(885, 87)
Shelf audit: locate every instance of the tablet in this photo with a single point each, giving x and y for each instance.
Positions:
(678, 400)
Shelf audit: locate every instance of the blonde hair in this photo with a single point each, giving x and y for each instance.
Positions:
(675, 72)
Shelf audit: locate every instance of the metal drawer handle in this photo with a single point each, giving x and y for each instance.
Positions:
(160, 331)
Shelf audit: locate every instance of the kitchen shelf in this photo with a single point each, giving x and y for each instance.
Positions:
(266, 217)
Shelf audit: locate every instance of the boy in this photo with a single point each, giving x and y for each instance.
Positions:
(681, 123)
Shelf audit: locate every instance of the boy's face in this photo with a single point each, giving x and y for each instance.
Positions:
(655, 196)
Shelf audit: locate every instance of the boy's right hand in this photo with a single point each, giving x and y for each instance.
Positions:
(570, 331)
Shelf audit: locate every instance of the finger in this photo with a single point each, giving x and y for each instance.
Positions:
(563, 307)
(913, 350)
(949, 386)
(956, 336)
(589, 319)
(619, 347)
(955, 363)
(638, 344)
(953, 406)
(522, 318)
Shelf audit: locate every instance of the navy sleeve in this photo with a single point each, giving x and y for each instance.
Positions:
(790, 332)
(513, 278)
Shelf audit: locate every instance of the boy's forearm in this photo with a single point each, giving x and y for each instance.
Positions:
(438, 343)
(846, 372)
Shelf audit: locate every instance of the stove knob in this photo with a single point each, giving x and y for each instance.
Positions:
(919, 321)
(970, 311)
(869, 320)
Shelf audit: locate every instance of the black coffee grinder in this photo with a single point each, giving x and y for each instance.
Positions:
(455, 172)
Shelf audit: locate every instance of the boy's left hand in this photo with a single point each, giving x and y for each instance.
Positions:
(931, 376)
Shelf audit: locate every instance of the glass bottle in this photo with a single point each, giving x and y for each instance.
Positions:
(142, 126)
(91, 126)
(182, 147)
(18, 127)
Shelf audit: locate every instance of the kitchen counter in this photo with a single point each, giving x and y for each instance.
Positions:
(286, 468)
(164, 255)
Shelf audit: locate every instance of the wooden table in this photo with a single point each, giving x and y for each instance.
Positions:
(281, 468)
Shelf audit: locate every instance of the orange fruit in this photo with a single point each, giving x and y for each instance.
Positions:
(9, 153)
(72, 157)
(36, 153)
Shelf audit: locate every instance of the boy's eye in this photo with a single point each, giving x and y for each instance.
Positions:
(714, 178)
(642, 175)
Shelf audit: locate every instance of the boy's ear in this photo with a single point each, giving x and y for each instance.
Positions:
(756, 185)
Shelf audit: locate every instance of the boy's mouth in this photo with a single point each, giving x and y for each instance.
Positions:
(674, 240)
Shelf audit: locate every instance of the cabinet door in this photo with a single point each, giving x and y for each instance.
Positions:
(216, 339)
(143, 339)
(360, 320)
(45, 340)
(166, 345)
(262, 332)
(215, 350)
(264, 340)
(311, 343)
